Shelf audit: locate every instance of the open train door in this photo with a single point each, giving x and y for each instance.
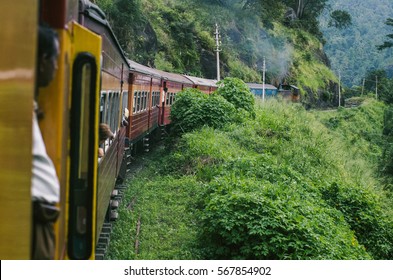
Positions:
(86, 52)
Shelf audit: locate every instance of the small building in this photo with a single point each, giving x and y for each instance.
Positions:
(257, 89)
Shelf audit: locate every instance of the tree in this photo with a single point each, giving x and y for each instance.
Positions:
(267, 10)
(389, 43)
(378, 78)
(302, 8)
(305, 8)
(340, 19)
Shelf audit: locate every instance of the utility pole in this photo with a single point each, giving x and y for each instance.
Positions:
(364, 81)
(339, 89)
(376, 87)
(263, 79)
(218, 43)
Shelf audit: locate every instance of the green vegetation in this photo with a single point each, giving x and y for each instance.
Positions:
(353, 50)
(237, 93)
(287, 184)
(389, 43)
(231, 102)
(194, 109)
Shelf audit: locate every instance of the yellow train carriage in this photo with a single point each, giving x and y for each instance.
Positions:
(70, 133)
(113, 101)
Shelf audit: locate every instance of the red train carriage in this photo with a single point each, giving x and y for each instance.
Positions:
(204, 85)
(145, 93)
(171, 84)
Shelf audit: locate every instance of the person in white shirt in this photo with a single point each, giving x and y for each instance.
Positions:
(45, 187)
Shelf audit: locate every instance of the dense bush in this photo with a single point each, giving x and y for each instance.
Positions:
(250, 219)
(194, 109)
(386, 164)
(362, 210)
(238, 93)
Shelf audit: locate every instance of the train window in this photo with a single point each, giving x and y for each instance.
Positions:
(107, 108)
(167, 99)
(124, 100)
(153, 99)
(112, 122)
(84, 131)
(102, 106)
(171, 98)
(134, 103)
(138, 102)
(82, 155)
(116, 112)
(145, 95)
(142, 101)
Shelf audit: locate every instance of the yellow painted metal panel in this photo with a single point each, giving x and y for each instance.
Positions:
(86, 41)
(18, 35)
(55, 101)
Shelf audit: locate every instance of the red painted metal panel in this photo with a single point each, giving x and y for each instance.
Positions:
(139, 125)
(120, 148)
(107, 174)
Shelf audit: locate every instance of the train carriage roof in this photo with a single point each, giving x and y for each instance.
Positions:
(174, 77)
(134, 66)
(202, 81)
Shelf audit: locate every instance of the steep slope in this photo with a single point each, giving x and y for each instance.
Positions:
(178, 36)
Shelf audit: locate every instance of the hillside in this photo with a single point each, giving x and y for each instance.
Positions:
(178, 36)
(289, 184)
(352, 50)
